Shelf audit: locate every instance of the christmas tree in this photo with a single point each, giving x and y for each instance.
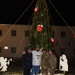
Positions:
(41, 29)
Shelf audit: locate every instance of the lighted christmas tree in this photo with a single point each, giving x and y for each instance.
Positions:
(41, 29)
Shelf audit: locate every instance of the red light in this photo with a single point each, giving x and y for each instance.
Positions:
(39, 29)
(52, 40)
(36, 9)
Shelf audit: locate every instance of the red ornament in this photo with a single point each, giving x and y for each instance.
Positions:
(36, 9)
(39, 28)
(52, 40)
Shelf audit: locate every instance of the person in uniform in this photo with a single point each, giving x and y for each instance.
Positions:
(52, 62)
(44, 63)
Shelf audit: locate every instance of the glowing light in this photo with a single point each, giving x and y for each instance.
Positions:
(36, 9)
(52, 39)
(5, 47)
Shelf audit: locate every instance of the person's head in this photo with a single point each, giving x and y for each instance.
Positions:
(44, 51)
(24, 52)
(50, 51)
(29, 50)
(37, 49)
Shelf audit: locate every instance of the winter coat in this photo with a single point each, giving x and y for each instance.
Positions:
(27, 60)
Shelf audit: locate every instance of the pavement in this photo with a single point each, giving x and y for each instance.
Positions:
(54, 74)
(62, 73)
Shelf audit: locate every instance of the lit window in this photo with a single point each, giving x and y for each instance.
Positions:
(5, 47)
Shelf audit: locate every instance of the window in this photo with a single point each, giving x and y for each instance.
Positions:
(13, 33)
(0, 32)
(63, 34)
(0, 49)
(70, 44)
(74, 50)
(26, 33)
(13, 49)
(62, 50)
(58, 43)
(52, 33)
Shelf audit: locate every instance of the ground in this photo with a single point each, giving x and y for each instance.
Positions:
(20, 72)
(16, 69)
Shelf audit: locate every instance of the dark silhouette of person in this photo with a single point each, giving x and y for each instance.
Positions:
(27, 62)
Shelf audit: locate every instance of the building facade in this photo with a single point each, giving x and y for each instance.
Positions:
(14, 39)
(64, 41)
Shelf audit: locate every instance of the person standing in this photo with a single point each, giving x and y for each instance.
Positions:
(36, 61)
(52, 62)
(44, 63)
(27, 62)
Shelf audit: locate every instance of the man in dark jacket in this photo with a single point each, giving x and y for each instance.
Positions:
(27, 62)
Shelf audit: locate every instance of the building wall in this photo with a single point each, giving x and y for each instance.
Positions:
(20, 41)
(67, 42)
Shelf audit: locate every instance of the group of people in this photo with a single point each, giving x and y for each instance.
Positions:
(48, 62)
(35, 61)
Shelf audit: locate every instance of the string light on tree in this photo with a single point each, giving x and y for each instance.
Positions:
(52, 40)
(39, 28)
(35, 9)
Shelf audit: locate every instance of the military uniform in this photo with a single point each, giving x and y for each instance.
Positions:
(52, 63)
(44, 64)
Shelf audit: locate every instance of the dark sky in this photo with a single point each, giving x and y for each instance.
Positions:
(11, 10)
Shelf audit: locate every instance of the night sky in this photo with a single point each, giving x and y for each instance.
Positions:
(11, 10)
